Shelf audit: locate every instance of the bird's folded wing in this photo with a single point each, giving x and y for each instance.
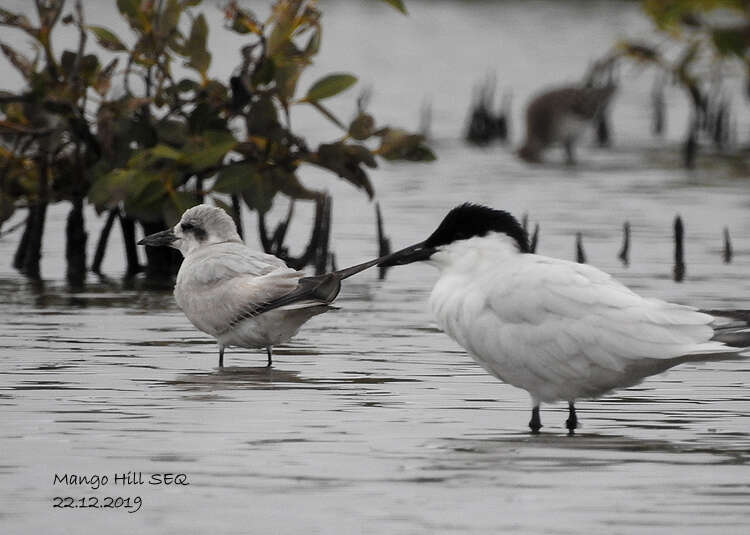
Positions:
(215, 304)
(310, 291)
(565, 317)
(234, 284)
(318, 290)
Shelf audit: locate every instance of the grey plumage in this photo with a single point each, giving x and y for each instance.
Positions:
(239, 296)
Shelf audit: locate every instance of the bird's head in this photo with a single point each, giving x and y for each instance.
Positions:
(199, 226)
(463, 223)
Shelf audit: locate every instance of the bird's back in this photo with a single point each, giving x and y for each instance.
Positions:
(562, 330)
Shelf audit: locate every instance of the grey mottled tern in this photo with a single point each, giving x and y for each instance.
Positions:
(239, 296)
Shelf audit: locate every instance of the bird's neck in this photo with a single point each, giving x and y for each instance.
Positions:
(476, 254)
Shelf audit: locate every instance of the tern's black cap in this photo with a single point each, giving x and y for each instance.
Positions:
(469, 220)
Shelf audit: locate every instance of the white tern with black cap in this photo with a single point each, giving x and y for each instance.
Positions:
(560, 330)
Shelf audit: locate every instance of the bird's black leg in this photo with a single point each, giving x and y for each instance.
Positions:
(221, 355)
(536, 422)
(572, 422)
(270, 354)
(570, 158)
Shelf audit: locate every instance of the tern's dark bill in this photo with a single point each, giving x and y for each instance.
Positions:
(159, 239)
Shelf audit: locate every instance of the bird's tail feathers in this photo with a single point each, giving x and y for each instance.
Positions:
(713, 347)
(732, 328)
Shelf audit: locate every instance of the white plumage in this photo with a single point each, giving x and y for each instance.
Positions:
(557, 329)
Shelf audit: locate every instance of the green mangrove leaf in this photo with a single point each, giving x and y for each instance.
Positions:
(330, 85)
(175, 205)
(148, 204)
(397, 4)
(112, 188)
(129, 8)
(284, 15)
(289, 184)
(398, 144)
(107, 39)
(166, 152)
(259, 192)
(89, 68)
(243, 21)
(287, 71)
(263, 117)
(346, 161)
(208, 150)
(730, 41)
(200, 58)
(235, 179)
(172, 132)
(169, 17)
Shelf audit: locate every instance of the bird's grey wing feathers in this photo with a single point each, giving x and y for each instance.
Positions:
(310, 291)
(214, 291)
(573, 316)
(318, 290)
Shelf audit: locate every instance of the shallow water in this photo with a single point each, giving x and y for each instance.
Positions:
(372, 420)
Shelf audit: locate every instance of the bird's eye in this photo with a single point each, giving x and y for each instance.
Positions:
(187, 226)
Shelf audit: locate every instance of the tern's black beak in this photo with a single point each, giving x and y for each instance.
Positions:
(159, 239)
(415, 253)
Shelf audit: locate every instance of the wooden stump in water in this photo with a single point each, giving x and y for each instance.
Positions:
(727, 247)
(679, 251)
(75, 245)
(32, 252)
(384, 243)
(127, 226)
(534, 239)
(101, 244)
(580, 253)
(624, 254)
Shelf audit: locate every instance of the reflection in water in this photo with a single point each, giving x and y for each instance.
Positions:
(734, 447)
(265, 377)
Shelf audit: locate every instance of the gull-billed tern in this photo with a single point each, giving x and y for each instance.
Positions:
(557, 329)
